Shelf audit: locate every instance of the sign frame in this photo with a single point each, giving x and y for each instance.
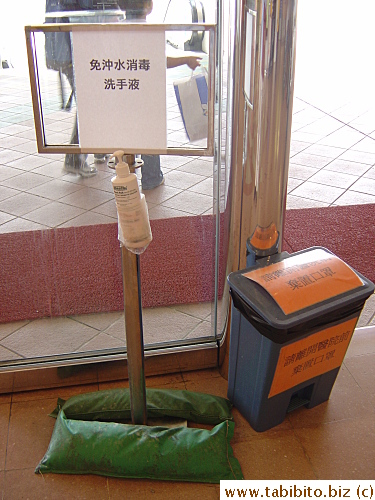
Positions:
(39, 120)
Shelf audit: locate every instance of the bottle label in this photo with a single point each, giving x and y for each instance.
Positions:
(125, 197)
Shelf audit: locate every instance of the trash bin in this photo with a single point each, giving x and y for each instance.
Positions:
(293, 316)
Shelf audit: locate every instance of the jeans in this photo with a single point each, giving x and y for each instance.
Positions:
(152, 176)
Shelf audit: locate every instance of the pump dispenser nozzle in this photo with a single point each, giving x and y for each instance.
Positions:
(122, 168)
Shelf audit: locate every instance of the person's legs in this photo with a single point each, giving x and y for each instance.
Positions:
(152, 176)
(76, 163)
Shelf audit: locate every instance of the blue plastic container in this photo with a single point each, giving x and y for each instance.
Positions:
(279, 362)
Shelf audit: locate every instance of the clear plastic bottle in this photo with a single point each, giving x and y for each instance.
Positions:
(134, 225)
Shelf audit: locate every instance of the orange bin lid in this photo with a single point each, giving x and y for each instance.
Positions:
(305, 279)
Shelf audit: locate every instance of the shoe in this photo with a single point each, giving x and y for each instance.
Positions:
(73, 165)
(71, 169)
(87, 170)
(100, 158)
(153, 187)
(111, 163)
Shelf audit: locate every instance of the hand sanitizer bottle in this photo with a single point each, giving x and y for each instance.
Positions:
(134, 224)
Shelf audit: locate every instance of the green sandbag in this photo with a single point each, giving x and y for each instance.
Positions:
(114, 405)
(137, 451)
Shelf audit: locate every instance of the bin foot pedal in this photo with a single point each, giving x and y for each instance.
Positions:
(297, 402)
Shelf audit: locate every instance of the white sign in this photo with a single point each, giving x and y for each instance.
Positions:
(121, 88)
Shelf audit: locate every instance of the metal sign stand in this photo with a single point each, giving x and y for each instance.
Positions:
(134, 335)
(130, 261)
(131, 277)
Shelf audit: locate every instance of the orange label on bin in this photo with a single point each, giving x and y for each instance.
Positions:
(312, 356)
(305, 279)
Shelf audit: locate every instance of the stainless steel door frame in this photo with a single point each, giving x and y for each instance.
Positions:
(261, 122)
(267, 120)
(264, 48)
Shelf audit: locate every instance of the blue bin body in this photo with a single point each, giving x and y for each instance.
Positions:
(260, 330)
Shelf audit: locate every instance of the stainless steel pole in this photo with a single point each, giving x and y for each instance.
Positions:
(134, 335)
(263, 73)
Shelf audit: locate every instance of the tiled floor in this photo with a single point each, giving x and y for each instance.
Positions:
(331, 162)
(36, 193)
(92, 332)
(334, 440)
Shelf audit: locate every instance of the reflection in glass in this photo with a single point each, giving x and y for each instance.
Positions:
(56, 90)
(187, 100)
(67, 294)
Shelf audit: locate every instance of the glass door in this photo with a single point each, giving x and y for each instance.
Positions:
(62, 283)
